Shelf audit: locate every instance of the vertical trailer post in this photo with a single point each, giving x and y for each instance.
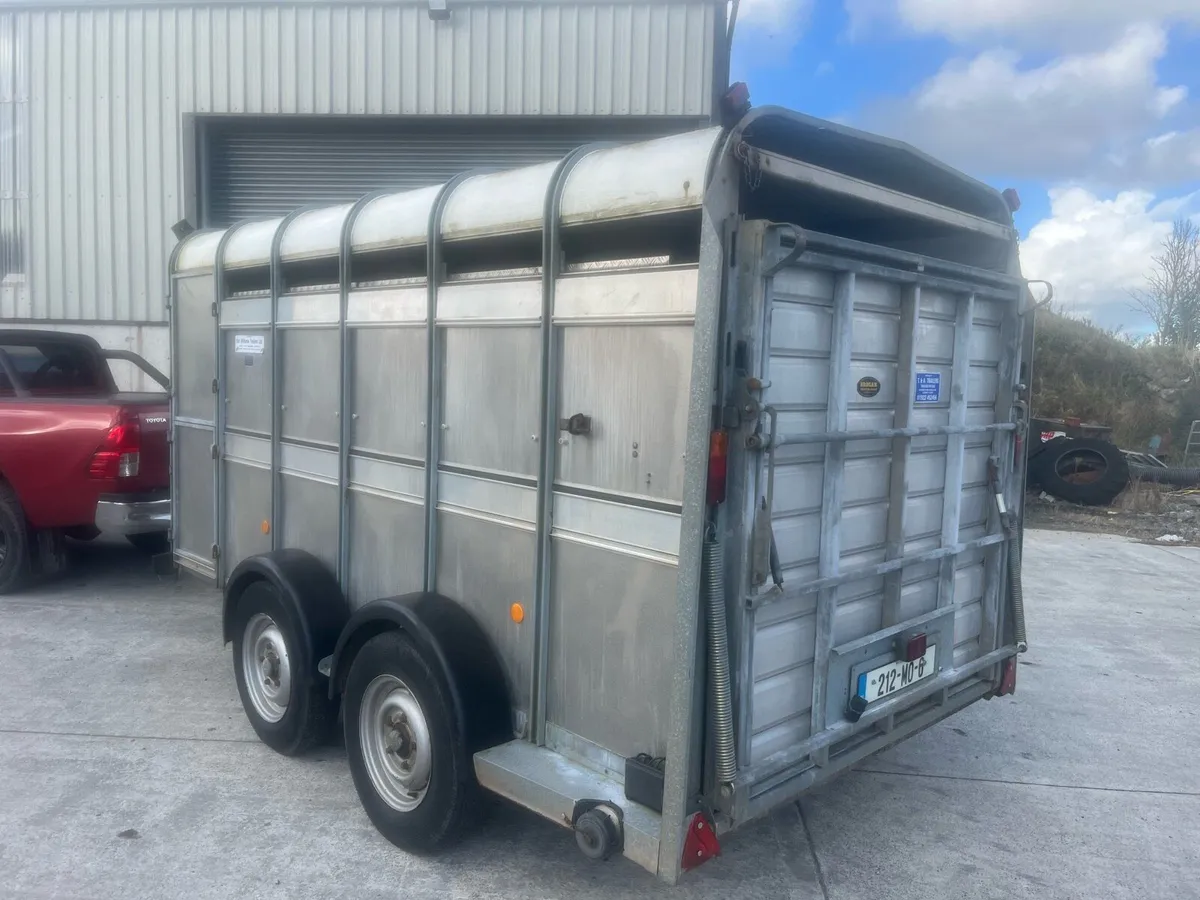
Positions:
(685, 733)
(906, 380)
(1010, 454)
(173, 396)
(346, 384)
(829, 562)
(220, 383)
(433, 374)
(960, 376)
(277, 289)
(551, 263)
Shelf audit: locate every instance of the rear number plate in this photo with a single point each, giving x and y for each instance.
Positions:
(895, 676)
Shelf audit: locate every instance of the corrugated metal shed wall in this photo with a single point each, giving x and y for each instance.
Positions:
(14, 156)
(271, 171)
(110, 85)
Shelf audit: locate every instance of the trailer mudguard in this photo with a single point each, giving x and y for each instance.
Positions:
(454, 645)
(304, 583)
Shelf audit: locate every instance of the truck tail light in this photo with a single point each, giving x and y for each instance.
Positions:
(119, 456)
(718, 466)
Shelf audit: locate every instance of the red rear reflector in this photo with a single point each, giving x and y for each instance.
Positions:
(700, 845)
(916, 647)
(119, 456)
(1008, 677)
(718, 466)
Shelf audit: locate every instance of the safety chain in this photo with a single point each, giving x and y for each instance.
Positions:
(751, 165)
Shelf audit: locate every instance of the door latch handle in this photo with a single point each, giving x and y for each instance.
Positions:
(578, 424)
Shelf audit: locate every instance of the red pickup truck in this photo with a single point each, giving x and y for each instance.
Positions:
(77, 456)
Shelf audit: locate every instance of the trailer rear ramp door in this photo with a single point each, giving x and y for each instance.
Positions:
(875, 562)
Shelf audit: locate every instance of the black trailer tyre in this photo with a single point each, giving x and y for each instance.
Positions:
(288, 710)
(15, 540)
(1081, 470)
(407, 756)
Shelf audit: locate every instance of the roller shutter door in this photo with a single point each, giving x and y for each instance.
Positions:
(270, 168)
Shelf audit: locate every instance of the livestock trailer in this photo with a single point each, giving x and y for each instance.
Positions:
(647, 489)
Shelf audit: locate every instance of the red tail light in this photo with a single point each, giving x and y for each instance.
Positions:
(718, 466)
(119, 456)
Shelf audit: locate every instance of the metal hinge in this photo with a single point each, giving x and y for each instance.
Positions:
(215, 386)
(213, 309)
(216, 552)
(212, 449)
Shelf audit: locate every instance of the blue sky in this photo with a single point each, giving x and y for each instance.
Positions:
(1089, 108)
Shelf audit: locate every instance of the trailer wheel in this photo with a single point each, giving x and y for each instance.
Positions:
(14, 541)
(407, 753)
(288, 711)
(1081, 470)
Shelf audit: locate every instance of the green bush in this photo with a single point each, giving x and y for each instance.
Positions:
(1100, 376)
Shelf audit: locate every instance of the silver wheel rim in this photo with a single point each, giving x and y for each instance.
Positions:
(395, 743)
(267, 667)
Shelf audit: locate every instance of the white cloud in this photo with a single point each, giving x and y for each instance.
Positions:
(1095, 250)
(1070, 117)
(783, 19)
(1055, 22)
(1171, 157)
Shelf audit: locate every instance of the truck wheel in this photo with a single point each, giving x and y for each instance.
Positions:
(288, 711)
(407, 755)
(14, 542)
(1081, 470)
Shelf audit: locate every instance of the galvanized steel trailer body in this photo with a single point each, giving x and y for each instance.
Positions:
(856, 518)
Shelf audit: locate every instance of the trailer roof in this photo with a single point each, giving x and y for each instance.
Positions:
(617, 182)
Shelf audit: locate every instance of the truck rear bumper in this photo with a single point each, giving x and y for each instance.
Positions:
(140, 515)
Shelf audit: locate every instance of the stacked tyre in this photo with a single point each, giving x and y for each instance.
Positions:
(1087, 471)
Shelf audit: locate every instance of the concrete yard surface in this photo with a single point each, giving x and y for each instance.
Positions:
(128, 770)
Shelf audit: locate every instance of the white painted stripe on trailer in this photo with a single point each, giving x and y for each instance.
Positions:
(254, 451)
(316, 463)
(617, 526)
(504, 501)
(388, 305)
(246, 311)
(666, 294)
(490, 301)
(388, 477)
(309, 309)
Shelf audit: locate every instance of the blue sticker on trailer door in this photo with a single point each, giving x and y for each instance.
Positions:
(929, 387)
